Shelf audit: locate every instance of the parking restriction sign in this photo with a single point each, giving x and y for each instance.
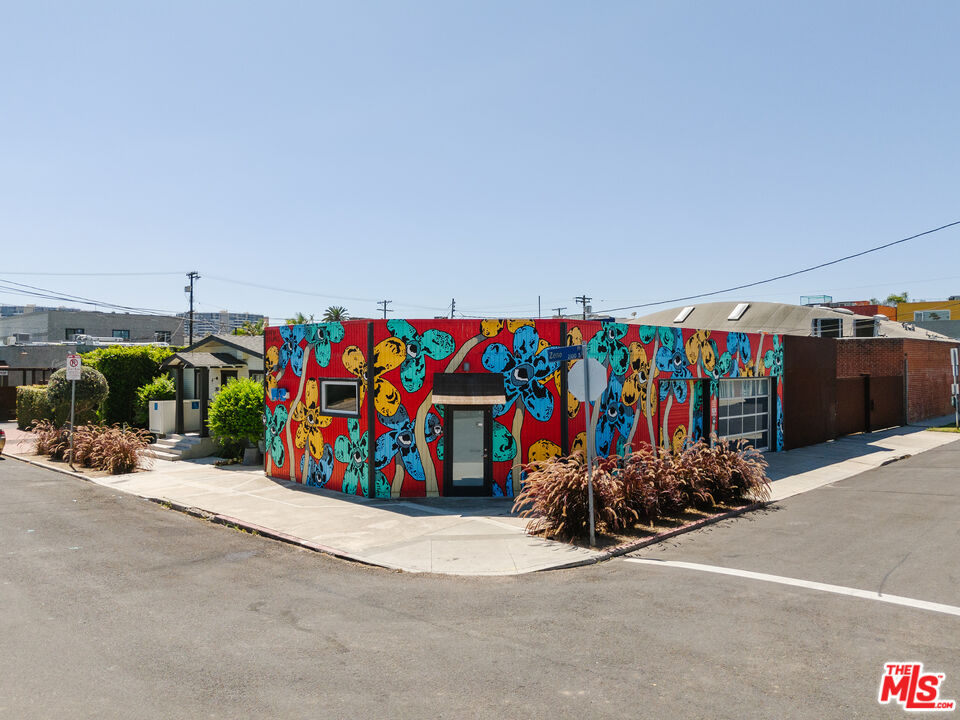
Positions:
(73, 367)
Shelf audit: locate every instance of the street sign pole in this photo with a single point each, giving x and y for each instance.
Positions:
(955, 362)
(73, 374)
(586, 381)
(73, 398)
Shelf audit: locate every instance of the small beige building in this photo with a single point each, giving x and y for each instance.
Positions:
(199, 372)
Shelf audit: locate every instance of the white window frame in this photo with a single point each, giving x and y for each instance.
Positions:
(923, 315)
(325, 383)
(737, 390)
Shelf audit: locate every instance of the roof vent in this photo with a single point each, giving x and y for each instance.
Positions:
(738, 311)
(684, 314)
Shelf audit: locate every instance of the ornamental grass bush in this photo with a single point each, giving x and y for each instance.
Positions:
(644, 485)
(114, 449)
(554, 497)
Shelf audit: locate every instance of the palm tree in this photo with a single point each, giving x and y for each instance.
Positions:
(251, 328)
(336, 313)
(299, 319)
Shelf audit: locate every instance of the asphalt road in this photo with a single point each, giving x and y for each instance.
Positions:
(112, 607)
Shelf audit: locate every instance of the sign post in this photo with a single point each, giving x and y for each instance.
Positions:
(587, 381)
(956, 389)
(73, 374)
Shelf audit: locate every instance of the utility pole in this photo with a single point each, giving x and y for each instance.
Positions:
(192, 275)
(384, 304)
(560, 310)
(453, 307)
(583, 300)
(539, 315)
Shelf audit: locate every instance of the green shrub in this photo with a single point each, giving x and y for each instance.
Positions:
(91, 391)
(126, 370)
(32, 405)
(236, 413)
(160, 388)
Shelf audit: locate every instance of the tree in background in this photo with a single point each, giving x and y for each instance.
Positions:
(336, 313)
(299, 319)
(251, 328)
(126, 369)
(897, 299)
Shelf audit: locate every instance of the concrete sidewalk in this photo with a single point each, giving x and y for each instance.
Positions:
(453, 536)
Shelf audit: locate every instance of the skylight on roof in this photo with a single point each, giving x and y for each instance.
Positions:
(738, 311)
(684, 314)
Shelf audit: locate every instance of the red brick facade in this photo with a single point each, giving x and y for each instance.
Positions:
(927, 367)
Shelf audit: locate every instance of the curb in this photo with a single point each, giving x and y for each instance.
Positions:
(215, 518)
(624, 549)
(227, 520)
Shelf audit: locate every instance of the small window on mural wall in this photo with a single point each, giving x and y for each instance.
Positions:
(339, 397)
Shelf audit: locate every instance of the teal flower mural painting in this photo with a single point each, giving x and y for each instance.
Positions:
(607, 345)
(320, 338)
(773, 359)
(276, 420)
(352, 451)
(434, 344)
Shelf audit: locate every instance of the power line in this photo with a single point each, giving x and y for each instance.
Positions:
(786, 275)
(90, 274)
(294, 291)
(34, 291)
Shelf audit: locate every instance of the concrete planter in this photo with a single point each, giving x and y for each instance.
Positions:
(252, 456)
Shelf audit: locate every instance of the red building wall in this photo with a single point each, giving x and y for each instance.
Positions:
(658, 382)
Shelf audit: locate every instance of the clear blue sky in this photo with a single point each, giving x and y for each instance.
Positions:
(487, 151)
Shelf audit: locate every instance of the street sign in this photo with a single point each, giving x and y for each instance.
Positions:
(73, 367)
(3, 373)
(576, 382)
(561, 353)
(953, 361)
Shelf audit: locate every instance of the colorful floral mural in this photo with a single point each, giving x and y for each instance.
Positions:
(661, 382)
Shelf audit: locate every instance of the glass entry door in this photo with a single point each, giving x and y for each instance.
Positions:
(467, 468)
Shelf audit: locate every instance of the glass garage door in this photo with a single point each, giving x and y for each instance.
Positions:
(744, 411)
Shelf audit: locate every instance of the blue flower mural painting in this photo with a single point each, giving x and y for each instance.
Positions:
(401, 439)
(524, 371)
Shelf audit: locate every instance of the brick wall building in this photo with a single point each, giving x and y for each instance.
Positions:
(925, 363)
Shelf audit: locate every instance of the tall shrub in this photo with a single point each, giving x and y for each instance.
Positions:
(91, 390)
(236, 413)
(160, 388)
(32, 405)
(126, 370)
